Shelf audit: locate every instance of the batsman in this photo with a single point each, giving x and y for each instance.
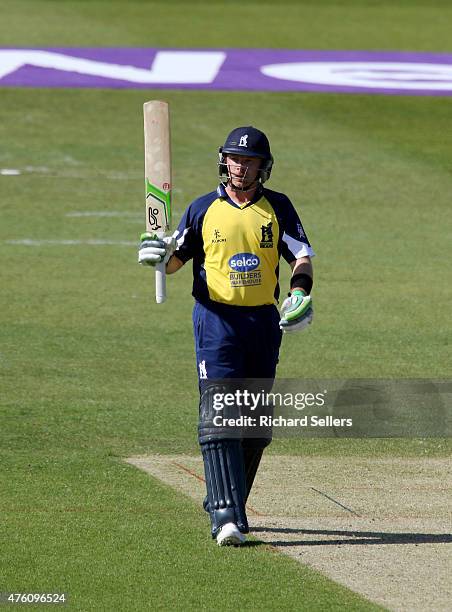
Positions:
(235, 237)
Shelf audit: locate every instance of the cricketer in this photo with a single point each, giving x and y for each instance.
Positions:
(236, 236)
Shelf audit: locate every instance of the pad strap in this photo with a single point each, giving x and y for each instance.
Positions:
(207, 431)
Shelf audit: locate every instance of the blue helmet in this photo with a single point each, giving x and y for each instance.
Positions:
(250, 142)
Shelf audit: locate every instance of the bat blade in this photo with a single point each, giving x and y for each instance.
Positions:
(157, 167)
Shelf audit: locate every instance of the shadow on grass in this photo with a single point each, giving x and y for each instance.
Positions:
(253, 543)
(353, 537)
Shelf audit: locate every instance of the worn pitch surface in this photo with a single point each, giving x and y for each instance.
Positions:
(381, 527)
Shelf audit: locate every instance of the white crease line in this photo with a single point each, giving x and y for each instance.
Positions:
(33, 242)
(101, 213)
(9, 171)
(43, 172)
(75, 174)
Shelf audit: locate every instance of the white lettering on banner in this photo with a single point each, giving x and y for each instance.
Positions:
(376, 75)
(400, 73)
(195, 67)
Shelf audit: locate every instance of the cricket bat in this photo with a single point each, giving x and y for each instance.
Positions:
(157, 174)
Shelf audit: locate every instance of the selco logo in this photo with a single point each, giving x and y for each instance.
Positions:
(244, 262)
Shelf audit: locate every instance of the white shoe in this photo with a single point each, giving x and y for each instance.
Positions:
(229, 535)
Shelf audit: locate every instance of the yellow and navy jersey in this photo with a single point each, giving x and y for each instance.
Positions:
(236, 247)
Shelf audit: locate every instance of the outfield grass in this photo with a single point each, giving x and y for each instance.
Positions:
(80, 385)
(420, 25)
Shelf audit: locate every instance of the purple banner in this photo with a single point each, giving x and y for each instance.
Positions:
(406, 73)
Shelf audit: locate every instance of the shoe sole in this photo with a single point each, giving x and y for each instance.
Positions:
(231, 541)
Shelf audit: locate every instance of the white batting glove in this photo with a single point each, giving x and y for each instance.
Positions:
(296, 312)
(154, 250)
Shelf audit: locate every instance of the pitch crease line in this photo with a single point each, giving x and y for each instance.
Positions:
(201, 479)
(336, 502)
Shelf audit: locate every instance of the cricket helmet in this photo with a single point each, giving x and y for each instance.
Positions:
(250, 142)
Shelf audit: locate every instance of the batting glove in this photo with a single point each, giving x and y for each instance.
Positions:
(296, 311)
(154, 250)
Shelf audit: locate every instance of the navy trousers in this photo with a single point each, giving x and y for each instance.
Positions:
(236, 341)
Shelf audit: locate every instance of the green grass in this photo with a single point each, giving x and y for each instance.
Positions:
(114, 539)
(421, 25)
(81, 386)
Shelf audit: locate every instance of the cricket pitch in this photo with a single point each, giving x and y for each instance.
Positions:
(381, 527)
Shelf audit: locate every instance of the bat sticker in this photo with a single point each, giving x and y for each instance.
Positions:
(153, 221)
(162, 213)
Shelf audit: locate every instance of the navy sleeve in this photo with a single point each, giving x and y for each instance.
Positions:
(294, 241)
(186, 237)
(189, 230)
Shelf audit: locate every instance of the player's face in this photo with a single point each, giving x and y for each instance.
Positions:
(243, 171)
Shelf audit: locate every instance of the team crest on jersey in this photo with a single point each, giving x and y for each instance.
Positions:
(217, 237)
(243, 141)
(267, 236)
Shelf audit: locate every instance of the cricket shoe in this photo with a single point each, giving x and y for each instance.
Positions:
(229, 535)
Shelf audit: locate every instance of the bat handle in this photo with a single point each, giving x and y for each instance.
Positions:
(160, 283)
